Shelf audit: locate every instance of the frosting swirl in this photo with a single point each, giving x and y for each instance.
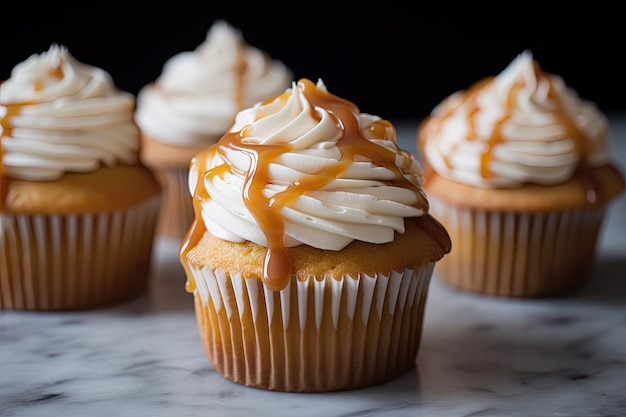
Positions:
(305, 167)
(58, 115)
(199, 92)
(521, 126)
(326, 199)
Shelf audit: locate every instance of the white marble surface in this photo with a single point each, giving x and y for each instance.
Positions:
(479, 357)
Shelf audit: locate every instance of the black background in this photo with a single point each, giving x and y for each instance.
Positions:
(393, 62)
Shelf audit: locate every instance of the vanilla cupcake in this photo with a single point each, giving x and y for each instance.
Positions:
(193, 103)
(312, 248)
(518, 169)
(77, 208)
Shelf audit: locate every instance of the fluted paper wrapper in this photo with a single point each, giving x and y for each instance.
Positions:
(78, 261)
(518, 254)
(317, 335)
(177, 209)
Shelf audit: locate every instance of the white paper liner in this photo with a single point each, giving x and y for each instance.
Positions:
(64, 262)
(518, 254)
(177, 208)
(398, 289)
(314, 335)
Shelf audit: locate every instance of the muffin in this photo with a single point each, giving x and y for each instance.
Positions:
(192, 104)
(78, 210)
(312, 248)
(517, 168)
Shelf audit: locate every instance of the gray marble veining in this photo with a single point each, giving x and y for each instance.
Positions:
(480, 356)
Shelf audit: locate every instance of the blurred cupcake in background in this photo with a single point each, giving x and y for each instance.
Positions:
(192, 103)
(518, 168)
(78, 209)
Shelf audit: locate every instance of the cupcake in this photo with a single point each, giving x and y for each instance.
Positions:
(312, 248)
(517, 168)
(78, 210)
(192, 104)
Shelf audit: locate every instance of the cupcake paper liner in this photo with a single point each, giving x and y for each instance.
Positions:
(317, 335)
(518, 254)
(77, 261)
(177, 209)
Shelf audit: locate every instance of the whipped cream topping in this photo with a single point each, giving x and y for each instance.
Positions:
(58, 115)
(304, 167)
(521, 126)
(324, 199)
(199, 92)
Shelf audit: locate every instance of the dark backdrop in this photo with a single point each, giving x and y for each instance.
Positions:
(397, 64)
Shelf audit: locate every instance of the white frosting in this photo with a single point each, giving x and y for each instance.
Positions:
(199, 92)
(70, 118)
(539, 122)
(360, 203)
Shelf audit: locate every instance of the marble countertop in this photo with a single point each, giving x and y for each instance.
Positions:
(480, 356)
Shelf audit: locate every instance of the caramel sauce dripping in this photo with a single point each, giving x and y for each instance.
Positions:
(13, 109)
(496, 137)
(580, 139)
(468, 99)
(278, 265)
(7, 131)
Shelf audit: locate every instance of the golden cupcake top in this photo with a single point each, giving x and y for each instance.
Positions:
(306, 168)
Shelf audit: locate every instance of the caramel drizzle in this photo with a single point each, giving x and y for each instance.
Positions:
(6, 131)
(581, 141)
(278, 265)
(13, 109)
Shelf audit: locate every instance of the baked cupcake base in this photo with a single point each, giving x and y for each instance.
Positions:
(518, 254)
(170, 165)
(346, 319)
(75, 261)
(176, 213)
(316, 335)
(82, 241)
(533, 241)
